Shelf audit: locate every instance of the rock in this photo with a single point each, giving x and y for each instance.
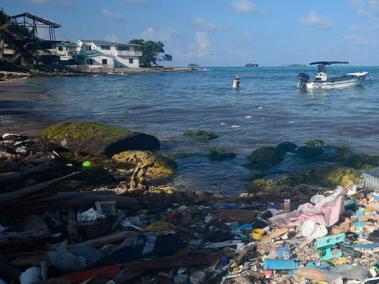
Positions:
(265, 157)
(98, 139)
(310, 152)
(220, 155)
(315, 143)
(202, 134)
(158, 166)
(261, 184)
(286, 147)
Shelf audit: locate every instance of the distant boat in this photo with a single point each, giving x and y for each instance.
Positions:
(252, 65)
(321, 80)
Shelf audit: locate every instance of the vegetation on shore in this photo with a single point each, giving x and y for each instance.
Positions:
(150, 52)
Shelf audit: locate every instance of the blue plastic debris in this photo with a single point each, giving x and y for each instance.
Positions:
(281, 264)
(325, 246)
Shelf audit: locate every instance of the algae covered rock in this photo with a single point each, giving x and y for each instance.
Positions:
(265, 157)
(98, 139)
(158, 166)
(261, 185)
(310, 152)
(286, 147)
(316, 143)
(220, 155)
(204, 135)
(324, 176)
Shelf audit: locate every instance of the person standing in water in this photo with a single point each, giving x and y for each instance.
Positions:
(236, 82)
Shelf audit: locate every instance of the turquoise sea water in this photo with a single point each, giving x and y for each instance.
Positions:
(268, 109)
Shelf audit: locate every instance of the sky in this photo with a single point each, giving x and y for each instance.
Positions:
(224, 32)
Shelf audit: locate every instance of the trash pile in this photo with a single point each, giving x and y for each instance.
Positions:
(51, 233)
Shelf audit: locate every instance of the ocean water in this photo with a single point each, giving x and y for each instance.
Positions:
(267, 110)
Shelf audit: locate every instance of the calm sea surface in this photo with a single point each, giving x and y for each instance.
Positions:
(268, 109)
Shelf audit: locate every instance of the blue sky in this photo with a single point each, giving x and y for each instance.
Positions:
(224, 32)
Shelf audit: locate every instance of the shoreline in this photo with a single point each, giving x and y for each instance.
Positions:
(10, 75)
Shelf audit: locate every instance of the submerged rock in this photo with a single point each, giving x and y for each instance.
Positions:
(158, 166)
(98, 139)
(315, 143)
(265, 157)
(286, 147)
(220, 155)
(310, 152)
(202, 134)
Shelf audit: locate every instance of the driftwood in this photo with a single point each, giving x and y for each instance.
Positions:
(11, 177)
(171, 262)
(240, 215)
(72, 199)
(112, 238)
(25, 238)
(10, 196)
(30, 259)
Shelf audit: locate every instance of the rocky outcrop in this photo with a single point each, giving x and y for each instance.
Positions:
(327, 177)
(98, 139)
(154, 166)
(266, 157)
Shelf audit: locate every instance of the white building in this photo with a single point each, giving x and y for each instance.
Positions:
(99, 53)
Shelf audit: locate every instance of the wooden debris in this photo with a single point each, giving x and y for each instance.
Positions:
(11, 196)
(240, 215)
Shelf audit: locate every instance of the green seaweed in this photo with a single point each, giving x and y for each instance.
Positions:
(81, 130)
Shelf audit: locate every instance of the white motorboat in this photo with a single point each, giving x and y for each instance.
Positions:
(321, 80)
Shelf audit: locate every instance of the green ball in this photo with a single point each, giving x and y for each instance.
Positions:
(87, 164)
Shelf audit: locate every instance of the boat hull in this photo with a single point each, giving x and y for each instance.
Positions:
(336, 84)
(350, 80)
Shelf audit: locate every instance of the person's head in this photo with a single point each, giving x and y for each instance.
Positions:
(237, 77)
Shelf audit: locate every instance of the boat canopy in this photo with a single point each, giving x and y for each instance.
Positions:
(328, 62)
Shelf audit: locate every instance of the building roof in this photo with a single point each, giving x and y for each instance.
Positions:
(67, 43)
(38, 19)
(328, 62)
(105, 42)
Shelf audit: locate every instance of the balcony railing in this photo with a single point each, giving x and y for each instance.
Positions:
(129, 53)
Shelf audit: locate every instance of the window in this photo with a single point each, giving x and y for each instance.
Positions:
(90, 61)
(60, 48)
(130, 60)
(104, 61)
(105, 47)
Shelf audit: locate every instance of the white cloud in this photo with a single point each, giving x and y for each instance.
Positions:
(112, 16)
(162, 34)
(206, 25)
(355, 28)
(201, 46)
(366, 8)
(315, 20)
(59, 3)
(112, 38)
(245, 6)
(355, 39)
(374, 28)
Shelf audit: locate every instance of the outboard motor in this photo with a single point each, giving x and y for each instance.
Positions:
(303, 79)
